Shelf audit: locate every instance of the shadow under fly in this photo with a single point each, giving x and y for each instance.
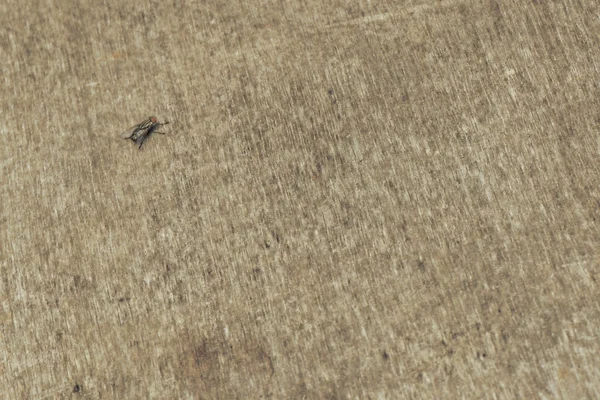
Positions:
(141, 132)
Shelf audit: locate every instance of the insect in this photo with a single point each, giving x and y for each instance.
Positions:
(142, 131)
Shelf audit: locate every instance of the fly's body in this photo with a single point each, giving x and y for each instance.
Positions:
(141, 132)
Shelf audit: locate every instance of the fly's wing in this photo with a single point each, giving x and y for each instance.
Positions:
(139, 141)
(142, 136)
(127, 133)
(136, 131)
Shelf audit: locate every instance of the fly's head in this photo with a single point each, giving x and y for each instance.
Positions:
(154, 120)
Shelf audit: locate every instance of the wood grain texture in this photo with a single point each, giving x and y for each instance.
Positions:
(370, 199)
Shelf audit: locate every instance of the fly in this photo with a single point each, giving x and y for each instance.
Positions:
(142, 131)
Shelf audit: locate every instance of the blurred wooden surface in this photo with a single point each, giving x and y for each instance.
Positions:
(372, 200)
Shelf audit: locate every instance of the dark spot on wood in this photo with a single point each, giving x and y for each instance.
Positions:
(77, 388)
(385, 355)
(256, 273)
(264, 356)
(456, 335)
(201, 353)
(332, 98)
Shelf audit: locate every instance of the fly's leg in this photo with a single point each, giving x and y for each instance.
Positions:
(161, 124)
(142, 141)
